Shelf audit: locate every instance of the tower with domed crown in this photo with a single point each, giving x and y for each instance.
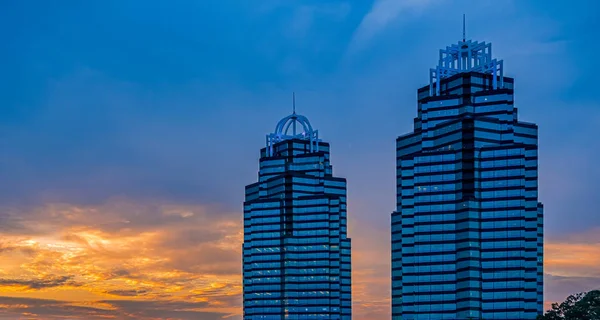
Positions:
(296, 253)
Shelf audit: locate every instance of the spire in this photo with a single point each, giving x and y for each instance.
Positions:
(466, 56)
(464, 37)
(294, 102)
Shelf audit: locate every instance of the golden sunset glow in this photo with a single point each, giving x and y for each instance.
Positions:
(102, 261)
(132, 132)
(135, 261)
(573, 259)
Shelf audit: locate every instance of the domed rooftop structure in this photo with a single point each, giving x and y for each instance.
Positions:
(300, 129)
(466, 56)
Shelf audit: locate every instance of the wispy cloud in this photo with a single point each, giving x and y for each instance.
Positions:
(383, 13)
(304, 16)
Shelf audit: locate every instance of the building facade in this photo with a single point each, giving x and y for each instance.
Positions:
(296, 253)
(467, 234)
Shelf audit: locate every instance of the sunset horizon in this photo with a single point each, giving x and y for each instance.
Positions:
(130, 130)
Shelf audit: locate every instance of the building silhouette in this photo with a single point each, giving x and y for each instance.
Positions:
(467, 234)
(296, 255)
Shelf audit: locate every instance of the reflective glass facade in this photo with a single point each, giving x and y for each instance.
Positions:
(296, 255)
(467, 234)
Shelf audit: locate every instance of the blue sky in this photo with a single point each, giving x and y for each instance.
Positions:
(178, 91)
(171, 101)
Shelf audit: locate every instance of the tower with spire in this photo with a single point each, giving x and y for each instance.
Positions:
(467, 233)
(296, 253)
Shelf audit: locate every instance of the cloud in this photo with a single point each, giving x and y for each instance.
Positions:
(304, 16)
(155, 254)
(383, 13)
(128, 293)
(11, 308)
(49, 282)
(125, 259)
(572, 259)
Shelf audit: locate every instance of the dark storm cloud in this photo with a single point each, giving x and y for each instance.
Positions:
(41, 283)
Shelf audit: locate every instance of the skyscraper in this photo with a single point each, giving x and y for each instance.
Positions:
(467, 234)
(296, 255)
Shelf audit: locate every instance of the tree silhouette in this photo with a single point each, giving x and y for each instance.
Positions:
(580, 306)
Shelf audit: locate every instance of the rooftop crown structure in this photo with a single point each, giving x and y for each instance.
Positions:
(466, 56)
(293, 121)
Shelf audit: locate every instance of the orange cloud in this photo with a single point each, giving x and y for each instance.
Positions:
(574, 257)
(148, 256)
(125, 260)
(571, 265)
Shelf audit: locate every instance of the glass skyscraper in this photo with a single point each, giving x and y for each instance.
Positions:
(467, 234)
(296, 255)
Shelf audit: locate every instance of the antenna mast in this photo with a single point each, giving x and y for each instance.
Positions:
(464, 37)
(294, 113)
